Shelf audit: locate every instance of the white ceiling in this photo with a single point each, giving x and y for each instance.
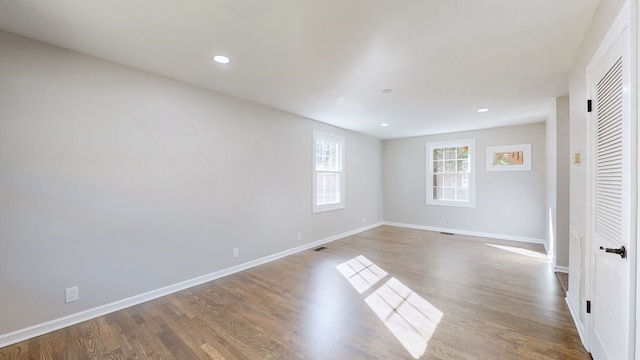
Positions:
(329, 60)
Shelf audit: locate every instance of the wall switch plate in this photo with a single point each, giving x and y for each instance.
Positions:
(71, 294)
(236, 252)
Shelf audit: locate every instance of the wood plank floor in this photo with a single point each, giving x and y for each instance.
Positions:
(387, 293)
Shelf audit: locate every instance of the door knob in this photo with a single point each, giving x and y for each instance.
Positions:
(621, 251)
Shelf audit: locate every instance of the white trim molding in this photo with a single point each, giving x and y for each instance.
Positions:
(337, 170)
(470, 159)
(470, 233)
(53, 325)
(577, 322)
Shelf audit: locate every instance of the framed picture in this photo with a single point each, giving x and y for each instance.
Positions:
(509, 157)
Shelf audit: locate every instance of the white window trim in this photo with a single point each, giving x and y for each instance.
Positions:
(472, 176)
(329, 207)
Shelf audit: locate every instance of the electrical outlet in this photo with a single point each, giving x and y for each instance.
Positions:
(299, 236)
(364, 219)
(236, 252)
(71, 294)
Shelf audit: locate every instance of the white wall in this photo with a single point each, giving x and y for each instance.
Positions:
(508, 204)
(551, 128)
(602, 20)
(558, 162)
(122, 182)
(563, 164)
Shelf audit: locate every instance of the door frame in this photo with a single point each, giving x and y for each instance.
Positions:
(627, 18)
(635, 112)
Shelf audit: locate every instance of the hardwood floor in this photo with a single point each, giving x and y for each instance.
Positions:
(415, 294)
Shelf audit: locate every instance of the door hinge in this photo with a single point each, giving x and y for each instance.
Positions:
(589, 105)
(588, 307)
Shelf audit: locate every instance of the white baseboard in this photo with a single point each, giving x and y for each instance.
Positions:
(49, 326)
(470, 233)
(561, 269)
(576, 321)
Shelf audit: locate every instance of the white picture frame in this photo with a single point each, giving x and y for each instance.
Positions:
(508, 157)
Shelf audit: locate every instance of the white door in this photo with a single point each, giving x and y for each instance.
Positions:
(610, 197)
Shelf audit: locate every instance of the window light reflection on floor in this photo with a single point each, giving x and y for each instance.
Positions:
(410, 318)
(517, 250)
(361, 273)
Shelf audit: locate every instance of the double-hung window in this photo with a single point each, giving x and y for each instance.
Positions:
(451, 173)
(328, 172)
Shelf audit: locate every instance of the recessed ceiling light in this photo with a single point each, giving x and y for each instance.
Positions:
(221, 59)
(386, 91)
(483, 110)
(383, 125)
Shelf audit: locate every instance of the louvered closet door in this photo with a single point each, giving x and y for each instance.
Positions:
(610, 204)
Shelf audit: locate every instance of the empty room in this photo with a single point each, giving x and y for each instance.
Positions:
(318, 179)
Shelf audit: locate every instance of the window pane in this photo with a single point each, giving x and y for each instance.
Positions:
(329, 163)
(450, 153)
(438, 167)
(327, 188)
(449, 180)
(463, 181)
(463, 152)
(463, 166)
(328, 174)
(449, 194)
(450, 166)
(327, 155)
(318, 153)
(451, 170)
(463, 195)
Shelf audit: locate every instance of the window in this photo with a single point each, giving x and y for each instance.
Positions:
(328, 172)
(451, 173)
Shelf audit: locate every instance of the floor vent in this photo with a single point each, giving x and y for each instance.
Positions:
(445, 233)
(320, 248)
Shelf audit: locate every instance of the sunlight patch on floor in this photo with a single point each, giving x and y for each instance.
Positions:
(410, 317)
(525, 252)
(361, 273)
